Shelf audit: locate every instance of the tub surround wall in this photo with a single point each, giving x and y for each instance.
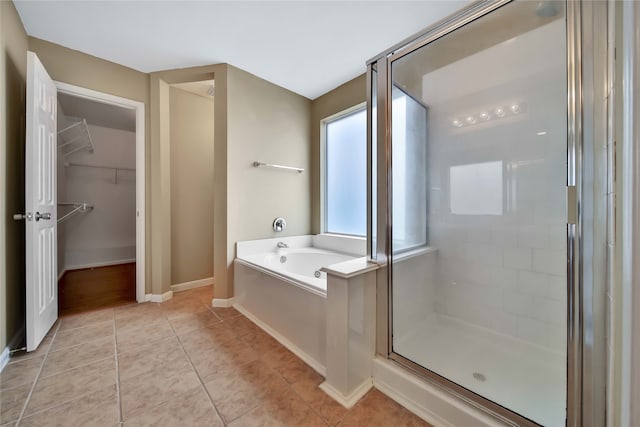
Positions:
(304, 257)
(292, 315)
(350, 329)
(251, 247)
(343, 244)
(295, 315)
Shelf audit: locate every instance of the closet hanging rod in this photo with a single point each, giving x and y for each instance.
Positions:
(67, 164)
(78, 208)
(268, 165)
(72, 204)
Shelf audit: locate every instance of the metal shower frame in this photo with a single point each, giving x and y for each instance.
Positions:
(580, 317)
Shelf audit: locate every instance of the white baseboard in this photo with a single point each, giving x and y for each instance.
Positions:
(351, 399)
(99, 264)
(14, 343)
(317, 366)
(179, 287)
(223, 302)
(4, 358)
(159, 297)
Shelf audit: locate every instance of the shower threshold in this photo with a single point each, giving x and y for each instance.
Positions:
(526, 378)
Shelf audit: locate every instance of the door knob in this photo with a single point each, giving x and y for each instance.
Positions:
(45, 215)
(19, 217)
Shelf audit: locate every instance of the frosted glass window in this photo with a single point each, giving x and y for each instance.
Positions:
(409, 175)
(346, 174)
(476, 189)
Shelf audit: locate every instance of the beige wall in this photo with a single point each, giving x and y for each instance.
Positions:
(191, 139)
(13, 69)
(161, 182)
(345, 96)
(269, 124)
(77, 68)
(255, 120)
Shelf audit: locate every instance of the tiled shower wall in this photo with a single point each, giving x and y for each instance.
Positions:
(505, 271)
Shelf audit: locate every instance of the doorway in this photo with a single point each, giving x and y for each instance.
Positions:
(190, 118)
(100, 184)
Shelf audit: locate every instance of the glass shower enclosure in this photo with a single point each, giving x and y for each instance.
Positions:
(470, 153)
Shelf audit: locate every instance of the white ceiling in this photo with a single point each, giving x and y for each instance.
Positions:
(309, 47)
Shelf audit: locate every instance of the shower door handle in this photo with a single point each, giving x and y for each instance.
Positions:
(572, 205)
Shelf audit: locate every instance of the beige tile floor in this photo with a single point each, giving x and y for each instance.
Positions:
(179, 363)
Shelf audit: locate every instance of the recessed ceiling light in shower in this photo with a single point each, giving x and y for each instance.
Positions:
(488, 114)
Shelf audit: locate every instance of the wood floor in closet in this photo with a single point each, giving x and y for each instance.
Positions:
(92, 288)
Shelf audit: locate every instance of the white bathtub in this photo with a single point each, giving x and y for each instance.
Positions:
(298, 266)
(285, 298)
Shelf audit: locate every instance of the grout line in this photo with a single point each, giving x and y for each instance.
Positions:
(214, 313)
(90, 325)
(322, 418)
(53, 406)
(204, 388)
(115, 350)
(81, 365)
(281, 376)
(35, 381)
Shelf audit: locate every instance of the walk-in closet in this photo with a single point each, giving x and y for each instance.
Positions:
(96, 186)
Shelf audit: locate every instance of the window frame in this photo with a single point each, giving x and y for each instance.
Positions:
(323, 165)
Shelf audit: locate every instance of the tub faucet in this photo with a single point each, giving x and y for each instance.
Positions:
(282, 245)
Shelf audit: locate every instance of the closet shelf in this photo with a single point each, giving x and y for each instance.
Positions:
(75, 137)
(116, 169)
(77, 208)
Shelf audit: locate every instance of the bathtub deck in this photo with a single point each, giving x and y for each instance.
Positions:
(522, 377)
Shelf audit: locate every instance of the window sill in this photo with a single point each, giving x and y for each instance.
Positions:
(344, 236)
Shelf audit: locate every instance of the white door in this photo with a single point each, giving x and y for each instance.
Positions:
(40, 203)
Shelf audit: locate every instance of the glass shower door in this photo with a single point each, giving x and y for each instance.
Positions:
(478, 221)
